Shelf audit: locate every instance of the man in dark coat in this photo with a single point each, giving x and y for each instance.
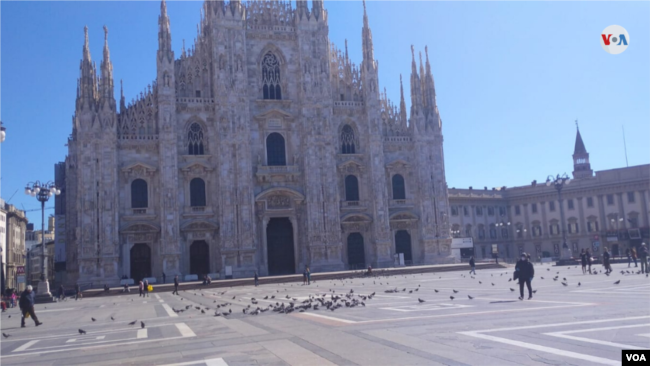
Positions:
(175, 285)
(606, 261)
(643, 257)
(524, 272)
(26, 304)
(472, 265)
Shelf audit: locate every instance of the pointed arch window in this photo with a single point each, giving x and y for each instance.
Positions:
(348, 141)
(351, 188)
(399, 192)
(271, 88)
(139, 194)
(195, 140)
(275, 150)
(197, 192)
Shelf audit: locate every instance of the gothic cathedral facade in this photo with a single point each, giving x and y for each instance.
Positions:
(261, 148)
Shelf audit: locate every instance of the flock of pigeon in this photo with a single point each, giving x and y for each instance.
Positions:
(331, 300)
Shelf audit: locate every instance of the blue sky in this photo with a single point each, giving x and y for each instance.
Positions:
(511, 78)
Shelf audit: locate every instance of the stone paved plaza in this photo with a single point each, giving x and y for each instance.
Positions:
(563, 325)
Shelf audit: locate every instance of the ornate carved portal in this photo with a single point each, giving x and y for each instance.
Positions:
(280, 248)
(199, 258)
(140, 261)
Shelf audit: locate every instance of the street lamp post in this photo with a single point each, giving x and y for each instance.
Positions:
(3, 133)
(558, 182)
(42, 192)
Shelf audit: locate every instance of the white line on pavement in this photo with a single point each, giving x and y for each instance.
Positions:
(71, 340)
(142, 333)
(26, 346)
(210, 362)
(185, 330)
(595, 341)
(169, 311)
(157, 296)
(106, 344)
(537, 347)
(100, 337)
(49, 311)
(563, 324)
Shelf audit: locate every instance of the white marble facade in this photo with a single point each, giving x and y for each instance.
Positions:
(245, 143)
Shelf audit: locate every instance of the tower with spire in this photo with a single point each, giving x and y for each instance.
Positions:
(262, 147)
(581, 165)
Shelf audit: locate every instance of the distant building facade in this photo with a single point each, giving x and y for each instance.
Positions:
(262, 148)
(14, 240)
(608, 209)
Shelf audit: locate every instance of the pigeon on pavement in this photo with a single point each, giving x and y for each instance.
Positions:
(81, 331)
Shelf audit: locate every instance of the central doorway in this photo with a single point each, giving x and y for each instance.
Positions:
(279, 245)
(140, 262)
(356, 253)
(403, 244)
(199, 258)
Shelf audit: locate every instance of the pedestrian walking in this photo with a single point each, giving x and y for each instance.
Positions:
(606, 258)
(141, 286)
(175, 285)
(146, 288)
(472, 265)
(256, 278)
(628, 253)
(369, 270)
(164, 278)
(304, 276)
(524, 272)
(634, 256)
(643, 258)
(583, 260)
(14, 297)
(26, 304)
(589, 260)
(61, 292)
(496, 257)
(77, 292)
(308, 276)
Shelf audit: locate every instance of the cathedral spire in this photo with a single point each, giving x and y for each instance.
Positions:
(317, 9)
(301, 7)
(106, 71)
(366, 34)
(164, 34)
(122, 101)
(402, 103)
(86, 48)
(87, 84)
(416, 91)
(429, 86)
